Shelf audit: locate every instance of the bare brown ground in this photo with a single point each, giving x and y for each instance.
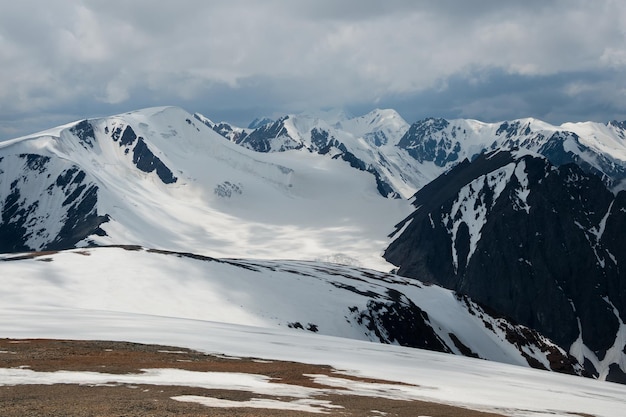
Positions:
(150, 400)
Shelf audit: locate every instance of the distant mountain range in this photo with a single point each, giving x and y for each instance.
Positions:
(380, 141)
(522, 219)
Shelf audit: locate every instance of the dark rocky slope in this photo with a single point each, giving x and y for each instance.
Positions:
(540, 244)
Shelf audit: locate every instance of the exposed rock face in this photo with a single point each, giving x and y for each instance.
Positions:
(538, 243)
(396, 319)
(270, 137)
(149, 162)
(231, 133)
(423, 143)
(45, 203)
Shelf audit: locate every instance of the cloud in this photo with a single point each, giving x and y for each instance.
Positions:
(496, 95)
(280, 55)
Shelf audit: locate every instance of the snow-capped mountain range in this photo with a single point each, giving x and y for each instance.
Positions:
(367, 143)
(404, 158)
(327, 187)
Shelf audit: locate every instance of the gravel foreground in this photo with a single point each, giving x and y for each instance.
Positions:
(124, 400)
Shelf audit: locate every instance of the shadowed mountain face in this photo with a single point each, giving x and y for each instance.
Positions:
(535, 242)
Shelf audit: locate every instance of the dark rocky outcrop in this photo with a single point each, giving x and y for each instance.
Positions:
(262, 138)
(399, 320)
(543, 247)
(32, 206)
(148, 162)
(422, 143)
(85, 133)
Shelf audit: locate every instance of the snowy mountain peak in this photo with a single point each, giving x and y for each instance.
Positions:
(232, 133)
(618, 125)
(260, 121)
(378, 127)
(404, 157)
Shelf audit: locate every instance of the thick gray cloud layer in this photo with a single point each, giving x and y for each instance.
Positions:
(487, 59)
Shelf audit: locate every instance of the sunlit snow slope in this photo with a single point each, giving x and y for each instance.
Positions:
(307, 297)
(172, 299)
(160, 178)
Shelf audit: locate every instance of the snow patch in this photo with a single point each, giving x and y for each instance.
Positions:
(615, 354)
(599, 230)
(304, 405)
(472, 206)
(523, 192)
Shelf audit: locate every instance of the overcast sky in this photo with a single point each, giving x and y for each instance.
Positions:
(64, 60)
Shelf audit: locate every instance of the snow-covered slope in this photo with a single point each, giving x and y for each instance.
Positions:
(378, 127)
(313, 297)
(45, 297)
(160, 178)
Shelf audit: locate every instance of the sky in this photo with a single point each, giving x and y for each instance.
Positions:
(492, 60)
